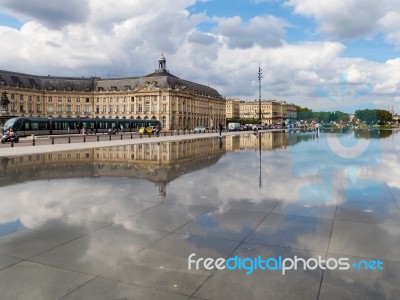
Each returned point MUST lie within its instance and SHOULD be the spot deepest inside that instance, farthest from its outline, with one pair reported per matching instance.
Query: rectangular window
(132, 108)
(164, 98)
(140, 108)
(69, 110)
(87, 108)
(59, 108)
(164, 107)
(38, 108)
(68, 99)
(104, 109)
(78, 108)
(78, 99)
(21, 97)
(50, 108)
(50, 99)
(59, 99)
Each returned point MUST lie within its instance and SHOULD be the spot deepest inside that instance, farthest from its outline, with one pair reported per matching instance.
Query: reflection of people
(221, 127)
(122, 128)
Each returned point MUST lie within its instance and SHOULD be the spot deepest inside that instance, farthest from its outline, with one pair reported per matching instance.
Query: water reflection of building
(269, 141)
(157, 162)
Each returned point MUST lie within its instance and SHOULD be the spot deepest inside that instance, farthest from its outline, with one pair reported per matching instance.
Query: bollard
(165, 133)
(109, 137)
(131, 136)
(84, 139)
(69, 140)
(52, 141)
(149, 135)
(121, 137)
(98, 138)
(33, 142)
(12, 143)
(141, 136)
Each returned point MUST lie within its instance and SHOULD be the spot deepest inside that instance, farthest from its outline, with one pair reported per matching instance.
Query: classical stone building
(175, 102)
(233, 108)
(272, 111)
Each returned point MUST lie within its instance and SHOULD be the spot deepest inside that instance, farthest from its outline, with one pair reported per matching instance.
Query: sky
(322, 54)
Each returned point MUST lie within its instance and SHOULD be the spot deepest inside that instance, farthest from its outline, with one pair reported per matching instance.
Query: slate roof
(161, 79)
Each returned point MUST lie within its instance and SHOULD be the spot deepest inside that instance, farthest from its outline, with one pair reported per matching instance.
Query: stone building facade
(175, 102)
(272, 111)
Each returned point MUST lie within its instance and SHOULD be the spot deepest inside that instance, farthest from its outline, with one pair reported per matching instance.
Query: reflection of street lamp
(259, 94)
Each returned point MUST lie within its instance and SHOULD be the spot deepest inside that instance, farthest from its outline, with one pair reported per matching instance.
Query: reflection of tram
(38, 126)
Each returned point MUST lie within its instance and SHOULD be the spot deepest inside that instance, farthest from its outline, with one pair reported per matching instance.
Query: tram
(25, 126)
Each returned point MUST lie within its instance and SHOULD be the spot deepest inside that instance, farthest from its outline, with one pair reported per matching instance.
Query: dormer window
(127, 88)
(113, 88)
(69, 88)
(100, 89)
(2, 82)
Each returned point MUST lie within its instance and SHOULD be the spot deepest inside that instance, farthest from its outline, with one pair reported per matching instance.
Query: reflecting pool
(121, 222)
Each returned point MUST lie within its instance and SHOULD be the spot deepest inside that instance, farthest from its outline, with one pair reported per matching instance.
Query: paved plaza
(104, 236)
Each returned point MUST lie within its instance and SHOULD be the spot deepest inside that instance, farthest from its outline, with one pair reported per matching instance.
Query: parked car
(199, 129)
(234, 126)
(144, 130)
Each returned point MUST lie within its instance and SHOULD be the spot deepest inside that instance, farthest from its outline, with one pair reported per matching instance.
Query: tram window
(34, 126)
(41, 125)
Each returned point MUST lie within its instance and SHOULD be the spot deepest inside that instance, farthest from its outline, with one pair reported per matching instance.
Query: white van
(233, 126)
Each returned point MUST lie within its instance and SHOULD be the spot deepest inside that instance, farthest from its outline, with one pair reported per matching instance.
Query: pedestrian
(221, 127)
(122, 128)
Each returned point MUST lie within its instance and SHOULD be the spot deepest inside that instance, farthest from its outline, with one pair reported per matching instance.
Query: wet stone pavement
(121, 222)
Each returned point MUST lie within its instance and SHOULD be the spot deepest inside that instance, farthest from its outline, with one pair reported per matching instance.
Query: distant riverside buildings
(272, 111)
(176, 103)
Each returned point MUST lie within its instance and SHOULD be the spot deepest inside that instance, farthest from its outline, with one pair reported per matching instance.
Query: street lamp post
(259, 94)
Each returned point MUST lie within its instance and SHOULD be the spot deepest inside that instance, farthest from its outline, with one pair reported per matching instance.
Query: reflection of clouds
(37, 202)
(389, 168)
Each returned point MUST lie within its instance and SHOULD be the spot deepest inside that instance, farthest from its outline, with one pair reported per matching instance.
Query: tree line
(370, 116)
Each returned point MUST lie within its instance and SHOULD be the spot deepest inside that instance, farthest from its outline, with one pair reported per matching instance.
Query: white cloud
(54, 14)
(129, 38)
(341, 19)
(390, 25)
(264, 31)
